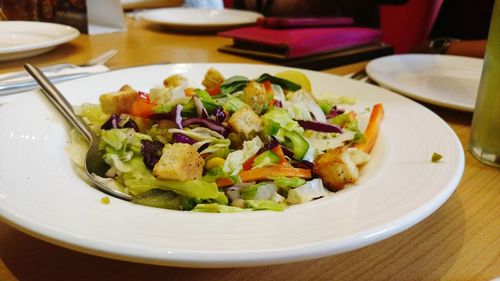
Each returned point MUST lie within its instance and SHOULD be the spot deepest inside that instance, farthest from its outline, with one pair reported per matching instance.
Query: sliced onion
(211, 124)
(200, 109)
(319, 126)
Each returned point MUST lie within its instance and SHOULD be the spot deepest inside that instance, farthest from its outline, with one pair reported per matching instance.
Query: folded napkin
(9, 88)
(300, 42)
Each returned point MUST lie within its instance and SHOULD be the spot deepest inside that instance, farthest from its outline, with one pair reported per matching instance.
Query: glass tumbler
(484, 142)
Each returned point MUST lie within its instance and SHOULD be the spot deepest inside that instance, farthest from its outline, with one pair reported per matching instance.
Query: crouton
(336, 168)
(179, 161)
(212, 79)
(174, 81)
(118, 102)
(244, 121)
(127, 88)
(255, 95)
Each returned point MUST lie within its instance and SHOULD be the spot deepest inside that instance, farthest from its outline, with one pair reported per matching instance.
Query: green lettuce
(139, 179)
(234, 161)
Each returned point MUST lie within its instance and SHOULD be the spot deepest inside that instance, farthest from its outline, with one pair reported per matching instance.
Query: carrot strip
(372, 129)
(267, 172)
(352, 115)
(278, 151)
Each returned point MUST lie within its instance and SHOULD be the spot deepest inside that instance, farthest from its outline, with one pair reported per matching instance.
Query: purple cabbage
(335, 112)
(151, 152)
(303, 165)
(203, 146)
(111, 123)
(269, 145)
(277, 103)
(219, 114)
(131, 124)
(114, 123)
(319, 126)
(178, 137)
(287, 151)
(174, 115)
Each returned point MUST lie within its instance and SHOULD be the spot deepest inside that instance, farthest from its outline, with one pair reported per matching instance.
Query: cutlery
(99, 60)
(94, 165)
(361, 74)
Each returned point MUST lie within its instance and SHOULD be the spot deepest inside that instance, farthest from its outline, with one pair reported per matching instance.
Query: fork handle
(59, 101)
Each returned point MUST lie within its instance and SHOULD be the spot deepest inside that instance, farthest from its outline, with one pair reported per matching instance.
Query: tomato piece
(248, 164)
(143, 106)
(267, 85)
(214, 90)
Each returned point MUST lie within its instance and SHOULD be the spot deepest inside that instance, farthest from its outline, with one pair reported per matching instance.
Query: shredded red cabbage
(335, 111)
(114, 123)
(178, 137)
(174, 115)
(151, 152)
(303, 164)
(219, 114)
(111, 123)
(319, 126)
(269, 145)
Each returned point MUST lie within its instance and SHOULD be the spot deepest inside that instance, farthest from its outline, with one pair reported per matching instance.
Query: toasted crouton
(212, 78)
(256, 95)
(118, 102)
(179, 161)
(244, 121)
(174, 81)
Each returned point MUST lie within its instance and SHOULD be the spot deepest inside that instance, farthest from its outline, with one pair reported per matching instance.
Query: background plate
(448, 81)
(21, 39)
(41, 194)
(194, 19)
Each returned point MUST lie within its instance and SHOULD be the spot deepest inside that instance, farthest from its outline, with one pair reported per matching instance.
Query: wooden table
(460, 241)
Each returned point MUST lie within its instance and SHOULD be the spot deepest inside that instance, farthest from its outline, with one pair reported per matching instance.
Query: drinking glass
(484, 142)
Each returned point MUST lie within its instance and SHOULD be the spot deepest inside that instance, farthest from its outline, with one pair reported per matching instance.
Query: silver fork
(99, 60)
(94, 164)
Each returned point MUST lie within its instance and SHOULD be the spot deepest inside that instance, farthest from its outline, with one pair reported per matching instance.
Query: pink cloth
(301, 42)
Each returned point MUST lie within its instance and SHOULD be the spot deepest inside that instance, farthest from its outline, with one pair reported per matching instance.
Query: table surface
(460, 241)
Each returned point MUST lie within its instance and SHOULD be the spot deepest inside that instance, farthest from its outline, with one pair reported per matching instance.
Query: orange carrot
(267, 172)
(352, 115)
(372, 129)
(278, 151)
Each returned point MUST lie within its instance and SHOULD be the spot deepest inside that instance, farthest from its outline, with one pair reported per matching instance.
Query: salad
(229, 145)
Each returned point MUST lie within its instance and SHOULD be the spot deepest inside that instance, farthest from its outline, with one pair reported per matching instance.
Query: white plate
(448, 81)
(21, 39)
(41, 194)
(193, 19)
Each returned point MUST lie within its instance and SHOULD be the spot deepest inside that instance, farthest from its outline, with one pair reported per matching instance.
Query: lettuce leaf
(234, 161)
(139, 179)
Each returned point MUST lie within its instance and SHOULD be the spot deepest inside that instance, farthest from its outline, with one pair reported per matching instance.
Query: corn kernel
(214, 163)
